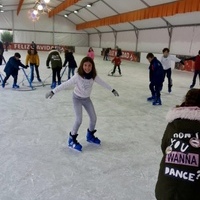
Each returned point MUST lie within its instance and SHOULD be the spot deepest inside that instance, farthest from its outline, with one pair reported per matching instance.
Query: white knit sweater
(83, 87)
(166, 62)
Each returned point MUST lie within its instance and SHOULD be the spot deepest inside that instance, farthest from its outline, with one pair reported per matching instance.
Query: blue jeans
(70, 70)
(32, 72)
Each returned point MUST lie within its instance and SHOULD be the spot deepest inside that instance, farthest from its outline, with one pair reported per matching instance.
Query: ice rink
(35, 162)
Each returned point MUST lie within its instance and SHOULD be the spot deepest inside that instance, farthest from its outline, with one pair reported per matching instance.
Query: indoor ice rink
(35, 160)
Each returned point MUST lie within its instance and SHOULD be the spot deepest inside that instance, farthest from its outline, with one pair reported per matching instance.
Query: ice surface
(35, 162)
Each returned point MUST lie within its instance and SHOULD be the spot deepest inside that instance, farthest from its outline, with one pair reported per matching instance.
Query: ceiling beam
(19, 6)
(62, 6)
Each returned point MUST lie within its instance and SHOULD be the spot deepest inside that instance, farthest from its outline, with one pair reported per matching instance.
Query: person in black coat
(11, 69)
(156, 78)
(1, 53)
(69, 58)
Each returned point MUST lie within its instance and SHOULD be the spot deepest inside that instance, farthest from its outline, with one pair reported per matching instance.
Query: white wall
(186, 40)
(108, 40)
(153, 40)
(126, 40)
(56, 30)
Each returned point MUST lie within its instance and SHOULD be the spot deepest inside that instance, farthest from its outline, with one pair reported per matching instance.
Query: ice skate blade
(91, 142)
(78, 150)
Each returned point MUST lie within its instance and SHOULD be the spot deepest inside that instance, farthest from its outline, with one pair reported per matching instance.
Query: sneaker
(91, 138)
(15, 86)
(170, 88)
(73, 143)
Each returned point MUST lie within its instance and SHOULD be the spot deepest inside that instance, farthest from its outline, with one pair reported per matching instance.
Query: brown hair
(81, 71)
(192, 98)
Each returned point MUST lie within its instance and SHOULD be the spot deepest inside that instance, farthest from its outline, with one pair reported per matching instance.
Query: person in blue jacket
(11, 69)
(156, 78)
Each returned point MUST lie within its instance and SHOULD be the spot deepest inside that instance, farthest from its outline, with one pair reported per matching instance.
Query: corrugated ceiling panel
(157, 2)
(124, 26)
(75, 19)
(86, 15)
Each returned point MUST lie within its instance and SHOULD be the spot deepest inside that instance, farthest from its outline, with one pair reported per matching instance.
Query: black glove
(26, 66)
(48, 67)
(49, 95)
(182, 62)
(115, 92)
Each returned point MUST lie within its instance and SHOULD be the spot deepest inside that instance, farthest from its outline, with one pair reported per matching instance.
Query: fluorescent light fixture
(2, 11)
(46, 1)
(65, 15)
(1, 6)
(76, 11)
(89, 5)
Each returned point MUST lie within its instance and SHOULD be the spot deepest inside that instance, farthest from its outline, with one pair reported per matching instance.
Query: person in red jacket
(196, 59)
(117, 62)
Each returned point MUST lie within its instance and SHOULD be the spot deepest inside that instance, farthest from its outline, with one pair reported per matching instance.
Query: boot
(15, 86)
(91, 138)
(53, 85)
(169, 88)
(73, 143)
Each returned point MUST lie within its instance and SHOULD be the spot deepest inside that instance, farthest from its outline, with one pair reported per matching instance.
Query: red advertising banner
(40, 47)
(126, 55)
(188, 64)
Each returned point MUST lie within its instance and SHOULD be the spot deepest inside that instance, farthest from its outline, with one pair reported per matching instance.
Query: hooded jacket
(12, 66)
(156, 72)
(69, 57)
(179, 174)
(55, 59)
(33, 59)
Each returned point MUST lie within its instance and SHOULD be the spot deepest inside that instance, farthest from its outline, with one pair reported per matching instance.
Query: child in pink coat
(90, 53)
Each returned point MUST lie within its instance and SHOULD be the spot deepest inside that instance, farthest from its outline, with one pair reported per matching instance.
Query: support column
(170, 30)
(53, 34)
(100, 36)
(13, 27)
(115, 36)
(137, 38)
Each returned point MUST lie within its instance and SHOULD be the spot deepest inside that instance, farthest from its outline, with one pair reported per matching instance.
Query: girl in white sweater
(83, 81)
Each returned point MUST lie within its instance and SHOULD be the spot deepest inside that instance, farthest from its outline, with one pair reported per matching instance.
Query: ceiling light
(40, 7)
(65, 15)
(35, 12)
(2, 11)
(76, 11)
(46, 1)
(89, 5)
(1, 6)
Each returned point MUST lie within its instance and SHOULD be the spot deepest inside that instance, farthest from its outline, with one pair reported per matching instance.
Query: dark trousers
(115, 69)
(168, 73)
(14, 77)
(32, 66)
(196, 73)
(155, 89)
(56, 72)
(70, 70)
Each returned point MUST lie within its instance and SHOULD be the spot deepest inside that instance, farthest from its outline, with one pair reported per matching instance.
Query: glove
(115, 92)
(182, 62)
(26, 66)
(48, 67)
(49, 95)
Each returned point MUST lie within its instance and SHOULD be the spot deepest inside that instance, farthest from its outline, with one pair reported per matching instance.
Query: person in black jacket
(1, 53)
(179, 174)
(69, 58)
(11, 69)
(156, 78)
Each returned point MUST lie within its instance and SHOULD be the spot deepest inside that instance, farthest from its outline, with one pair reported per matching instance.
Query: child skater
(83, 81)
(69, 58)
(179, 174)
(156, 76)
(117, 62)
(196, 59)
(166, 63)
(11, 69)
(90, 53)
(32, 58)
(56, 65)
